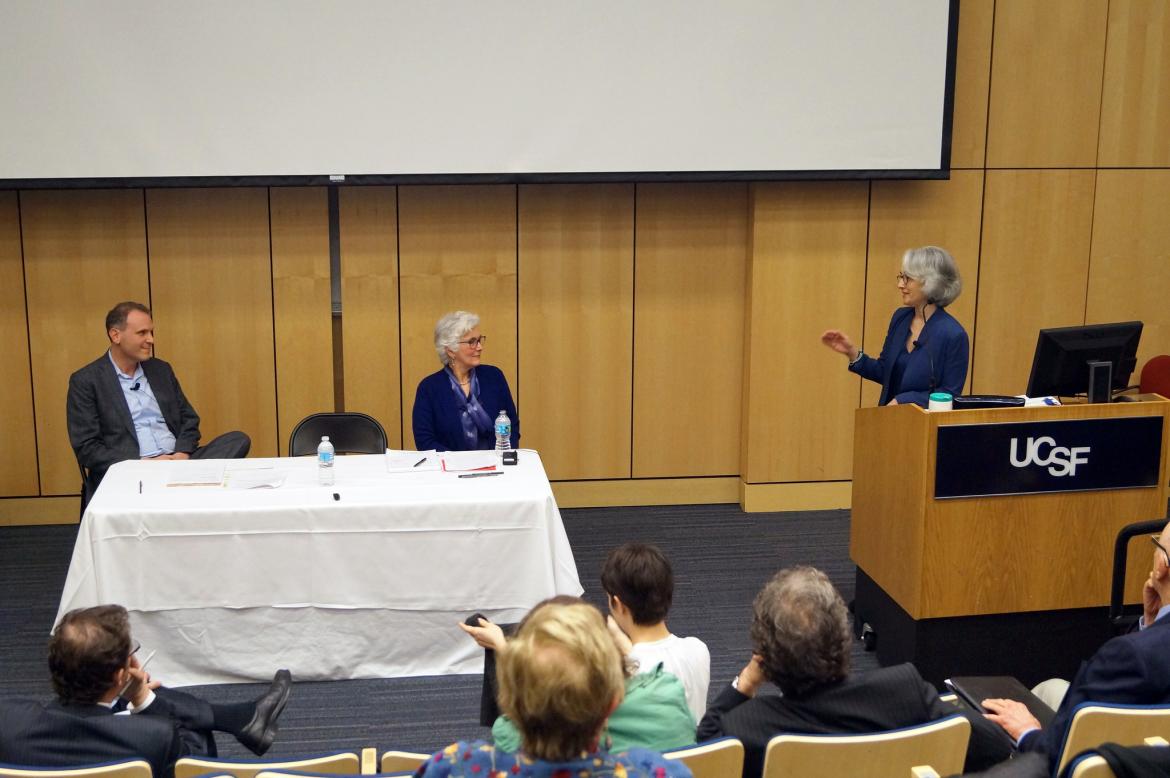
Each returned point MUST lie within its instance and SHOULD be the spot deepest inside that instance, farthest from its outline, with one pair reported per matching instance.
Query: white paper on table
(255, 479)
(470, 460)
(409, 461)
(197, 472)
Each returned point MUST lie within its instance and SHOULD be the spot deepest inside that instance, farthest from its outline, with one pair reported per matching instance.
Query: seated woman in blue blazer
(455, 409)
(926, 348)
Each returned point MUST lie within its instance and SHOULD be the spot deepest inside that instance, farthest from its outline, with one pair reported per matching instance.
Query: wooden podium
(993, 584)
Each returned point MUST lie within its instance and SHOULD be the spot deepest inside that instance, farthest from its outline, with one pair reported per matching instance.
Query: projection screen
(519, 89)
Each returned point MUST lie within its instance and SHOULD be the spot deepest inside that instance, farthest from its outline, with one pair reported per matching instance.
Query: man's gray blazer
(100, 428)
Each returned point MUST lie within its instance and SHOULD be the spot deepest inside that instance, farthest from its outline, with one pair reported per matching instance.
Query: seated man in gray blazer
(127, 404)
(800, 631)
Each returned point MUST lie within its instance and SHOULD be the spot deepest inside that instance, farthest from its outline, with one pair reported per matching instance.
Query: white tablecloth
(230, 584)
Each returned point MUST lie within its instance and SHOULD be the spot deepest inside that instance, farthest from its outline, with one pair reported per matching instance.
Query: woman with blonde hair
(559, 678)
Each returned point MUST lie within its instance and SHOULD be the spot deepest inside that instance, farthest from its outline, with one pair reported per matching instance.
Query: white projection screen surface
(148, 89)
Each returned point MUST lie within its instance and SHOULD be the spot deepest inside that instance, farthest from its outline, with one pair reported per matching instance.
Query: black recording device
(510, 457)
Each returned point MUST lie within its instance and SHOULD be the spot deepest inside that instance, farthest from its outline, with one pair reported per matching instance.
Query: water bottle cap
(324, 438)
(941, 397)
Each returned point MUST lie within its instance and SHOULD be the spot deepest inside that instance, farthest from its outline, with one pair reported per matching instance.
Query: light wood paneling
(1033, 270)
(27, 511)
(457, 249)
(576, 327)
(972, 82)
(810, 496)
(1135, 103)
(301, 305)
(211, 282)
(646, 491)
(18, 466)
(689, 281)
(1046, 83)
(84, 251)
(806, 274)
(909, 214)
(1129, 270)
(369, 305)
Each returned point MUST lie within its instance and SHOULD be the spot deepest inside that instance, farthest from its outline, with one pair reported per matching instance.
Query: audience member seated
(639, 585)
(653, 713)
(560, 678)
(801, 638)
(108, 708)
(1132, 669)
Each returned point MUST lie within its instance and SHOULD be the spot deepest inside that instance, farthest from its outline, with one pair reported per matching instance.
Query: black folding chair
(1123, 621)
(349, 432)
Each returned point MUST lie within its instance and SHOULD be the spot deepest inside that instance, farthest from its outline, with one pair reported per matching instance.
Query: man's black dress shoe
(258, 735)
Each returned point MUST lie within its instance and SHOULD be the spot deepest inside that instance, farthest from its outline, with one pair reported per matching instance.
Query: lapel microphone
(137, 385)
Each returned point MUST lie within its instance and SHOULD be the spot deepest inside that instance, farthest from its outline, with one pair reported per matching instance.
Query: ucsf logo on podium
(1043, 451)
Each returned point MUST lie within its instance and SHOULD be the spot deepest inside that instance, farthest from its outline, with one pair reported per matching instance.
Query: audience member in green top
(653, 715)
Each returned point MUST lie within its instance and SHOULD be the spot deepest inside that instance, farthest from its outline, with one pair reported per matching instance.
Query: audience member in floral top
(559, 679)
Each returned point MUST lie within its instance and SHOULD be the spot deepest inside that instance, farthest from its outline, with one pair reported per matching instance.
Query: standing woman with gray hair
(926, 348)
(455, 408)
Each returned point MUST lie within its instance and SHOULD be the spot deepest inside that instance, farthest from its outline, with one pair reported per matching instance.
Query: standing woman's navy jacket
(937, 364)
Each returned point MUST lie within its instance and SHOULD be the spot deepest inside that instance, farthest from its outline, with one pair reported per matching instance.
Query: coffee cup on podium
(940, 401)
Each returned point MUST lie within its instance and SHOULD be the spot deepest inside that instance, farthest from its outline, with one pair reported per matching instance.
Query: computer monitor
(1061, 364)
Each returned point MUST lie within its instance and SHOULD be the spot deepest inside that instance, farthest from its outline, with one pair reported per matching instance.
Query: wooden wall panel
(806, 274)
(1129, 270)
(369, 305)
(908, 214)
(1033, 271)
(689, 282)
(1046, 83)
(457, 249)
(84, 251)
(301, 305)
(18, 466)
(576, 322)
(1135, 100)
(972, 83)
(211, 282)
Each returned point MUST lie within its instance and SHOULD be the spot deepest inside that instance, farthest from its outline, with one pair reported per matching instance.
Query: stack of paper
(411, 461)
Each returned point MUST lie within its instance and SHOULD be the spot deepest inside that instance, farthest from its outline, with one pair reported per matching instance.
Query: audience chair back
(350, 433)
(126, 768)
(87, 489)
(336, 763)
(402, 761)
(941, 744)
(1156, 376)
(714, 759)
(1091, 766)
(1127, 725)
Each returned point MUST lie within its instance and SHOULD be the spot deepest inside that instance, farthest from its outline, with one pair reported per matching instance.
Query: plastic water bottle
(503, 432)
(325, 462)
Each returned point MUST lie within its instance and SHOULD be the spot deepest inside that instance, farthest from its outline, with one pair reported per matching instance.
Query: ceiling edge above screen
(297, 92)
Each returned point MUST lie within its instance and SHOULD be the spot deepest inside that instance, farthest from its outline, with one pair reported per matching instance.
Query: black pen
(416, 464)
(140, 487)
(479, 475)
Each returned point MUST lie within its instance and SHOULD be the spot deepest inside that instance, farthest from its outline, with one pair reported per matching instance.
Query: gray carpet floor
(721, 557)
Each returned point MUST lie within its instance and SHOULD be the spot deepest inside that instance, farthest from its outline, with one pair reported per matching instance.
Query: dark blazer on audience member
(939, 363)
(53, 734)
(436, 417)
(1132, 669)
(889, 698)
(100, 428)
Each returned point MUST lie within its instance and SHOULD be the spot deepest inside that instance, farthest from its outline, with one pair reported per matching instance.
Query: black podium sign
(976, 460)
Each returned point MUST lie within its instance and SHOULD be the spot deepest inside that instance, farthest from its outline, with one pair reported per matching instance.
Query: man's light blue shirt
(154, 437)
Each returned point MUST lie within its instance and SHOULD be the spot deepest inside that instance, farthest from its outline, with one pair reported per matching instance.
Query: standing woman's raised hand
(840, 342)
